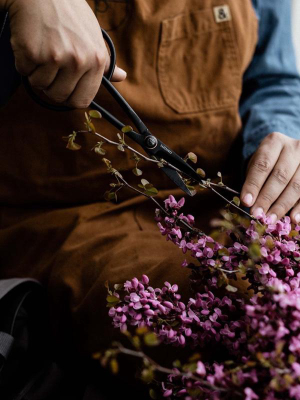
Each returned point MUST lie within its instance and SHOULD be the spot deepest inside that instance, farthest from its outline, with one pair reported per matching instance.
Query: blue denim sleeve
(270, 100)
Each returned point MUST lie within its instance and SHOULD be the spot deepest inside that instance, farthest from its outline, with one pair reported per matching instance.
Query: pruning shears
(173, 165)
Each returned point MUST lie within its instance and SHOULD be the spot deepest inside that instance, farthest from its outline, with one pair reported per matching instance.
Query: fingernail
(122, 72)
(248, 199)
(273, 218)
(297, 218)
(258, 212)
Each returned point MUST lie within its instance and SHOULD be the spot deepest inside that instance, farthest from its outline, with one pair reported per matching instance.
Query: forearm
(271, 90)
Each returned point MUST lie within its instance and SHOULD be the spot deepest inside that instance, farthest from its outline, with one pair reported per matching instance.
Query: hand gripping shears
(176, 167)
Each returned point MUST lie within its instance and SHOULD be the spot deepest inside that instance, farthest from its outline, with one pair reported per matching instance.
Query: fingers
(276, 183)
(295, 213)
(43, 76)
(272, 184)
(259, 168)
(118, 75)
(288, 199)
(86, 89)
(74, 84)
(25, 65)
(59, 46)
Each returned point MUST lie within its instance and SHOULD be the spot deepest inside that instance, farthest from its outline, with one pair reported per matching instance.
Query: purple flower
(250, 395)
(201, 368)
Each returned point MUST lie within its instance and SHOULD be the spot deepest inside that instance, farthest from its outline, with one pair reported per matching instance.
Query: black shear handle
(54, 107)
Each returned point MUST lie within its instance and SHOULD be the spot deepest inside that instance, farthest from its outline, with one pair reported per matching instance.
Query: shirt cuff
(257, 135)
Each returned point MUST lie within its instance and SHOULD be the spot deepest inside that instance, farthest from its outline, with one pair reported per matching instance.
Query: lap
(73, 251)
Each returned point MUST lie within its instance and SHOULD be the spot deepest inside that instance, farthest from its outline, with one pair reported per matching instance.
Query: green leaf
(137, 171)
(67, 138)
(142, 330)
(192, 367)
(114, 366)
(177, 364)
(147, 375)
(118, 286)
(87, 118)
(192, 157)
(222, 280)
(95, 114)
(144, 182)
(201, 172)
(152, 394)
(127, 129)
(242, 268)
(195, 357)
(73, 146)
(136, 341)
(110, 196)
(151, 192)
(113, 196)
(107, 162)
(236, 200)
(91, 127)
(106, 284)
(100, 151)
(174, 323)
(279, 347)
(223, 252)
(151, 339)
(112, 299)
(254, 250)
(264, 362)
(135, 157)
(230, 288)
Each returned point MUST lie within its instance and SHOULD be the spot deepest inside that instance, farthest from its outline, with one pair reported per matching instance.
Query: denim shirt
(271, 89)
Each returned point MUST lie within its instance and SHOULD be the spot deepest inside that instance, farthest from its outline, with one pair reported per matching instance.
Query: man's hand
(272, 183)
(58, 44)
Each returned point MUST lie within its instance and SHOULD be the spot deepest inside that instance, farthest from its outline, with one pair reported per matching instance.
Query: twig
(140, 354)
(233, 204)
(166, 163)
(225, 188)
(188, 226)
(126, 146)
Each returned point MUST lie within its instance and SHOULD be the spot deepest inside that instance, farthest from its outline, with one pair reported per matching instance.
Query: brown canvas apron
(185, 64)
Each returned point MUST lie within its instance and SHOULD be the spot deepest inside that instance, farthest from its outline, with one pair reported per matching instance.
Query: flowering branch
(149, 361)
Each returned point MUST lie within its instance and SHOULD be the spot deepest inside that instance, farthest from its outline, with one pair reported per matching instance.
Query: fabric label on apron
(222, 13)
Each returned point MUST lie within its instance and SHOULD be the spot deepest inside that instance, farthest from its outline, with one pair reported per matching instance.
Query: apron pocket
(198, 66)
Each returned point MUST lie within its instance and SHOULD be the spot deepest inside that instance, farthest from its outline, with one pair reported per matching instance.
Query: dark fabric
(9, 77)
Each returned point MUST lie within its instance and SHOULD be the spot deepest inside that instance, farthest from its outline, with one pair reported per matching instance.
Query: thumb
(119, 75)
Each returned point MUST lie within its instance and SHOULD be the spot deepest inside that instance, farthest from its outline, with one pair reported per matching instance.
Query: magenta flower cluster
(257, 337)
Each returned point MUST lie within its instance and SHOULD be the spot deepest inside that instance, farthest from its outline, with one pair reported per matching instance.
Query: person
(214, 77)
